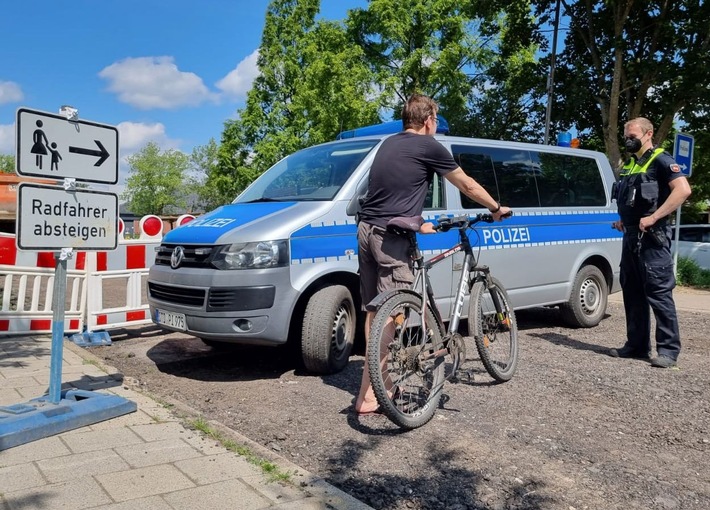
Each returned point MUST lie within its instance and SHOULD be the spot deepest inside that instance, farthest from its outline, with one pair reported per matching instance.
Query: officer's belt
(635, 229)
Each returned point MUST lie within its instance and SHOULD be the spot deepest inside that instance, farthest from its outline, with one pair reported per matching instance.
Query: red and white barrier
(105, 290)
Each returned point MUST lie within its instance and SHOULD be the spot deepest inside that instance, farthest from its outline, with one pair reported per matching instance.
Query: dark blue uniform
(647, 277)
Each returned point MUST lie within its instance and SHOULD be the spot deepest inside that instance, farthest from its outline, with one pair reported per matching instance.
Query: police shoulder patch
(675, 168)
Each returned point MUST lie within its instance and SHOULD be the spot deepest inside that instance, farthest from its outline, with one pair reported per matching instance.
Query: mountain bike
(409, 349)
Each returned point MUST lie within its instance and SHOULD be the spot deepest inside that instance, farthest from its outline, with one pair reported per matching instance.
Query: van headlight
(252, 255)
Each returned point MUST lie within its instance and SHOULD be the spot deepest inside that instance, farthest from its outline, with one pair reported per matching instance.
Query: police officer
(651, 187)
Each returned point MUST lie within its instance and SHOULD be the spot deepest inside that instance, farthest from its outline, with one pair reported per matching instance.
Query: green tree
(7, 164)
(624, 59)
(312, 84)
(456, 52)
(204, 162)
(156, 181)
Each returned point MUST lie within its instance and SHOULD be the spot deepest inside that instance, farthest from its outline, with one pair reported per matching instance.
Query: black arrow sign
(102, 153)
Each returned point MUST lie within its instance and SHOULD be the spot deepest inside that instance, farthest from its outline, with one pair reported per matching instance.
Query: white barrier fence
(105, 290)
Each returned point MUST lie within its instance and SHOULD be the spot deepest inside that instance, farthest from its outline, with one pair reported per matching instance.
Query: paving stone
(228, 494)
(216, 468)
(157, 452)
(143, 482)
(91, 440)
(71, 495)
(151, 503)
(45, 448)
(18, 477)
(156, 431)
(68, 467)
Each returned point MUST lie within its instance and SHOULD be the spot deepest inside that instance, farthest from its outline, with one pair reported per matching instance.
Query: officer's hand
(646, 223)
(427, 228)
(618, 225)
(502, 213)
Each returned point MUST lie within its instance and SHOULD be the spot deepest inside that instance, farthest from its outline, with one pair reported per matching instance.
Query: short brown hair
(416, 111)
(642, 122)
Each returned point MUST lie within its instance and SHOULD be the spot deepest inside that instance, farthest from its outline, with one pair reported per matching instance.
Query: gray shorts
(384, 260)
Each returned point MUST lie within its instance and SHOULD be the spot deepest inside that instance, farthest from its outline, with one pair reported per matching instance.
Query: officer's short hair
(642, 122)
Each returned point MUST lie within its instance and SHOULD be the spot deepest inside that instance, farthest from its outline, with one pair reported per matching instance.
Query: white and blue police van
(279, 264)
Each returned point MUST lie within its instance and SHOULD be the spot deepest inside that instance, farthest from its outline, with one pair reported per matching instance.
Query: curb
(307, 482)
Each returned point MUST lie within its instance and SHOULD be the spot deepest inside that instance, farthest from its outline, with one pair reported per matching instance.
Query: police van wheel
(587, 303)
(328, 330)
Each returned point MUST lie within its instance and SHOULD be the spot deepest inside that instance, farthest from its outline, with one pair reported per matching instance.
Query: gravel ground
(574, 429)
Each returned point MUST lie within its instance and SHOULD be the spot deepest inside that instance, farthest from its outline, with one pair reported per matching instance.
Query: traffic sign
(50, 145)
(52, 218)
(683, 152)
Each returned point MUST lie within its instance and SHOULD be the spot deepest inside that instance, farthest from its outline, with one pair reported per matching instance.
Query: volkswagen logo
(176, 257)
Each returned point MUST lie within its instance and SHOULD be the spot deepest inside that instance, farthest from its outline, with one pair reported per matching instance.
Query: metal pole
(551, 76)
(58, 298)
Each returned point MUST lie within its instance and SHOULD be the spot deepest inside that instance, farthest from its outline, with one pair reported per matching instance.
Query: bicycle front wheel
(406, 361)
(495, 331)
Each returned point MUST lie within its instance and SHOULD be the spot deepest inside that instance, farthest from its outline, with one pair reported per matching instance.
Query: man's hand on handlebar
(502, 213)
(427, 228)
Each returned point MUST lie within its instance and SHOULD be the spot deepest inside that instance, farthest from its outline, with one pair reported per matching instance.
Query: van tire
(328, 331)
(588, 300)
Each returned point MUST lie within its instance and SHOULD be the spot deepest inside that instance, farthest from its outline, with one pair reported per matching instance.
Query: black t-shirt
(400, 175)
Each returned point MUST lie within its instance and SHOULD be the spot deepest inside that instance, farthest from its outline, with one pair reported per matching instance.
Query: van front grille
(185, 296)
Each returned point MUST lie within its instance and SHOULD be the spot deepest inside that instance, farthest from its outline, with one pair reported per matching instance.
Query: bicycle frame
(421, 277)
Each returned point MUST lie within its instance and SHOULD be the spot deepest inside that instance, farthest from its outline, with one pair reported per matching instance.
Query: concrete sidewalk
(686, 298)
(143, 460)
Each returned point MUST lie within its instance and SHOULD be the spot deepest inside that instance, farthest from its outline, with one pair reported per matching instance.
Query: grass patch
(269, 468)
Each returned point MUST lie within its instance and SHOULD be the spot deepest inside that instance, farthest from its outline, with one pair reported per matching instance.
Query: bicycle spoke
(409, 377)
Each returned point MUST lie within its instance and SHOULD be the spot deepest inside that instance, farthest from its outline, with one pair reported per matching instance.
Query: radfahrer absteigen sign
(52, 218)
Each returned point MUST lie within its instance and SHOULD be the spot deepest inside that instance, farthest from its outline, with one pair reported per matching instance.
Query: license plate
(170, 319)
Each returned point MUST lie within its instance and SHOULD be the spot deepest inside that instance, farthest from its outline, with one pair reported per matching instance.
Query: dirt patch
(574, 429)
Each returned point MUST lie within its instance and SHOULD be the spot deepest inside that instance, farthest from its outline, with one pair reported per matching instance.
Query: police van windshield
(312, 174)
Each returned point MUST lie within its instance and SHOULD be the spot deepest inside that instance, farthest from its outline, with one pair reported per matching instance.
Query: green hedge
(690, 274)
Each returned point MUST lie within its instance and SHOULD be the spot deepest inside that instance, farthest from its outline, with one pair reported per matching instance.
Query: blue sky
(170, 72)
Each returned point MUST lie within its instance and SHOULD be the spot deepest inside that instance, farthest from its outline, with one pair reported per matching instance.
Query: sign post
(683, 146)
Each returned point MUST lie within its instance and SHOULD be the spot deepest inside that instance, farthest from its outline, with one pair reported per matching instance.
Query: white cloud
(238, 82)
(7, 138)
(155, 82)
(135, 135)
(10, 92)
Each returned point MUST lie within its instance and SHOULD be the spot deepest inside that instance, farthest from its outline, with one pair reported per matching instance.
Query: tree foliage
(155, 184)
(624, 59)
(204, 162)
(7, 164)
(456, 52)
(313, 83)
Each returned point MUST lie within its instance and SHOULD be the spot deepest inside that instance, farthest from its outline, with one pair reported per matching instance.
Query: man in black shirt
(404, 166)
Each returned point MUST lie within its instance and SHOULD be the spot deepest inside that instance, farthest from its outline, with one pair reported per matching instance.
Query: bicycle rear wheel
(495, 332)
(406, 374)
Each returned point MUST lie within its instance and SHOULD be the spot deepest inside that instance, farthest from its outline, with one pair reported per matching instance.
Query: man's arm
(469, 187)
(680, 191)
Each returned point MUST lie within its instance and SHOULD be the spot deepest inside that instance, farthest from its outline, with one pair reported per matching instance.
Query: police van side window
(568, 181)
(509, 175)
(435, 194)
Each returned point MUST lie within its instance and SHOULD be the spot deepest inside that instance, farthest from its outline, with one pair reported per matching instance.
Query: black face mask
(633, 145)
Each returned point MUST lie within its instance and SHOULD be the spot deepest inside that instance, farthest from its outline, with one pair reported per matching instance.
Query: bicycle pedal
(464, 376)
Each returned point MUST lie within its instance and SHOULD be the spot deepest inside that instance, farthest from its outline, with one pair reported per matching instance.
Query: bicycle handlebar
(446, 223)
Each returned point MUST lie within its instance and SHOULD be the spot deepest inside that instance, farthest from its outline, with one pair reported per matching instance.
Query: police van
(279, 264)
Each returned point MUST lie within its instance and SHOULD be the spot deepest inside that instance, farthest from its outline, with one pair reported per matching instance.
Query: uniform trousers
(647, 282)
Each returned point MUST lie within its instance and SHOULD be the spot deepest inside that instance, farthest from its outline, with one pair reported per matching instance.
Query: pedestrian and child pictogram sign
(50, 145)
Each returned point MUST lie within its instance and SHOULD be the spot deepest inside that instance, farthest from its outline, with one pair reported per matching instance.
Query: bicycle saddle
(403, 224)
